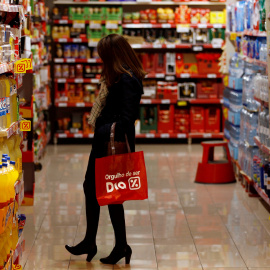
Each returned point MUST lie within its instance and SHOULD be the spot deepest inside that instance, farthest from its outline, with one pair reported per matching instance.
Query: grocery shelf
(255, 33)
(134, 3)
(171, 25)
(63, 135)
(263, 147)
(255, 61)
(8, 132)
(6, 215)
(11, 8)
(143, 101)
(195, 47)
(67, 21)
(73, 104)
(199, 76)
(77, 60)
(206, 101)
(71, 40)
(252, 33)
(264, 103)
(8, 67)
(262, 193)
(77, 80)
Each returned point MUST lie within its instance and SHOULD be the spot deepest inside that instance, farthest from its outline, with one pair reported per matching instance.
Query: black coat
(122, 106)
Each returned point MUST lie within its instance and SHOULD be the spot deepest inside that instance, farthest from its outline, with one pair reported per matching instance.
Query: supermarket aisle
(182, 226)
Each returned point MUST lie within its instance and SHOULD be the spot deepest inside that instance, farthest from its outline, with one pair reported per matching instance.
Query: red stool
(215, 172)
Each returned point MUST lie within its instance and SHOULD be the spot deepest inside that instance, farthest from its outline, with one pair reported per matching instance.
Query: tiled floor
(183, 225)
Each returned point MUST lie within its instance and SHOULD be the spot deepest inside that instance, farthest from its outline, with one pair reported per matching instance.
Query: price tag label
(95, 81)
(211, 76)
(59, 60)
(185, 75)
(166, 25)
(71, 60)
(170, 46)
(62, 135)
(63, 21)
(136, 46)
(62, 104)
(181, 103)
(62, 40)
(217, 25)
(202, 25)
(157, 46)
(79, 24)
(77, 40)
(181, 136)
(164, 135)
(160, 75)
(91, 60)
(112, 24)
(146, 101)
(78, 135)
(80, 104)
(25, 125)
(78, 80)
(197, 48)
(91, 135)
(183, 28)
(170, 78)
(207, 135)
(92, 43)
(95, 24)
(61, 80)
(165, 101)
(149, 135)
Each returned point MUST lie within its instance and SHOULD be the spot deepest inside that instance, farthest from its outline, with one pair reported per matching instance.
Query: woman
(118, 101)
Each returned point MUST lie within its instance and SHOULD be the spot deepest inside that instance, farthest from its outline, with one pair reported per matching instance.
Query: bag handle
(112, 136)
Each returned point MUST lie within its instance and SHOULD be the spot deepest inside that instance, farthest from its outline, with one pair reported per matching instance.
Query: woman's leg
(117, 216)
(92, 207)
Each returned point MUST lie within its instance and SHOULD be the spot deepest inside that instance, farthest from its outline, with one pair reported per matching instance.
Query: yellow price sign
(16, 267)
(181, 103)
(233, 36)
(22, 65)
(25, 125)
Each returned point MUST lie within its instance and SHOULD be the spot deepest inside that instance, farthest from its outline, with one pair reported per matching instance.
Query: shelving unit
(251, 166)
(35, 94)
(63, 104)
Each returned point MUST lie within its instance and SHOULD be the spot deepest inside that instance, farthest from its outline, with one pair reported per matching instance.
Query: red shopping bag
(120, 177)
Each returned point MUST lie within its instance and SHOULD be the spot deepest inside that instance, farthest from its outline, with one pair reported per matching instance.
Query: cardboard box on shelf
(148, 119)
(167, 90)
(212, 120)
(86, 127)
(149, 89)
(170, 64)
(114, 13)
(186, 63)
(160, 63)
(165, 118)
(197, 119)
(208, 63)
(207, 89)
(186, 90)
(181, 121)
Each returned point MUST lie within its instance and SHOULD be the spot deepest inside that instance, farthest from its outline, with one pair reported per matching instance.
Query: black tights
(93, 209)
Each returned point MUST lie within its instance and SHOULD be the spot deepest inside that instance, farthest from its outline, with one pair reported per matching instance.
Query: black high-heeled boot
(83, 248)
(117, 254)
